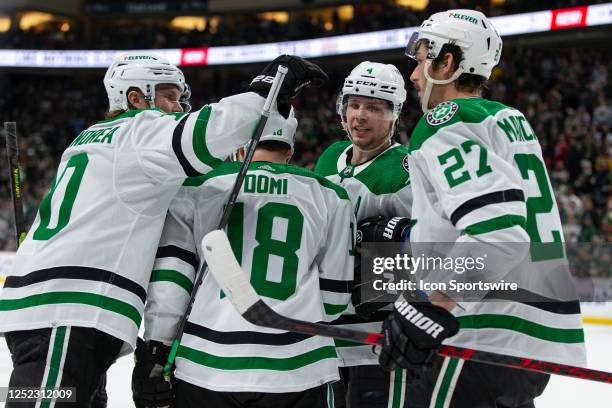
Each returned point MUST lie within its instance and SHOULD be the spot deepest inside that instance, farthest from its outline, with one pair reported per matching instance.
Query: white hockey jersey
(380, 186)
(87, 259)
(293, 232)
(478, 177)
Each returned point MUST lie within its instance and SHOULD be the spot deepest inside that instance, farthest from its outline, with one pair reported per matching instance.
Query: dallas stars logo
(369, 71)
(442, 113)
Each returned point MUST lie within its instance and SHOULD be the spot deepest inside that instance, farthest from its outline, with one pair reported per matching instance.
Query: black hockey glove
(382, 229)
(414, 332)
(302, 73)
(149, 387)
(375, 229)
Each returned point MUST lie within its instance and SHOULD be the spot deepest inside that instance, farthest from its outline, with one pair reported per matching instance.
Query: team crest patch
(405, 164)
(442, 113)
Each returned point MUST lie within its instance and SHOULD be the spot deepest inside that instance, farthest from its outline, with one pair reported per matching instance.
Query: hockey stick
(235, 284)
(271, 98)
(12, 153)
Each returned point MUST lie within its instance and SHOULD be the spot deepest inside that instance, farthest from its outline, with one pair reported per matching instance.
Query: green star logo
(369, 71)
(442, 113)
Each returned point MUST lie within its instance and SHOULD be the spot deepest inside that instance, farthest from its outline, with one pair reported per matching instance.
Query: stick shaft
(12, 152)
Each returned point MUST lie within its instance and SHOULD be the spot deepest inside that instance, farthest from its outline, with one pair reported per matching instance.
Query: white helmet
(471, 31)
(374, 80)
(279, 129)
(144, 71)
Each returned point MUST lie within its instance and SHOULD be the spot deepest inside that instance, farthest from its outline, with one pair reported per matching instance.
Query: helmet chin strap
(431, 82)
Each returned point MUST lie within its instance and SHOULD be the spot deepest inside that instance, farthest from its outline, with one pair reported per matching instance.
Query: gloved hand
(302, 73)
(375, 229)
(149, 387)
(414, 332)
(382, 229)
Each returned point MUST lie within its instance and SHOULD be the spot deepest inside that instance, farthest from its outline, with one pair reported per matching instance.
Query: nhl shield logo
(405, 164)
(442, 113)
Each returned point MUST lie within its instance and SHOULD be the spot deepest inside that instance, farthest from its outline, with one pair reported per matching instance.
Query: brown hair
(466, 82)
(274, 146)
(112, 114)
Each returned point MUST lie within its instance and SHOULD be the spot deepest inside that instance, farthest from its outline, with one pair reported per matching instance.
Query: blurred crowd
(565, 94)
(237, 29)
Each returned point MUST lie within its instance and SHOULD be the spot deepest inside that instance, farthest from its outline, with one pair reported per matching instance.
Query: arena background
(555, 68)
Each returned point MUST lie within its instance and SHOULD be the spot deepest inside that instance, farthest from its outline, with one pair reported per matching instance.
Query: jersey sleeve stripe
(169, 275)
(90, 299)
(255, 362)
(529, 298)
(377, 317)
(173, 251)
(334, 309)
(77, 272)
(199, 139)
(495, 224)
(486, 199)
(337, 286)
(244, 337)
(178, 151)
(517, 324)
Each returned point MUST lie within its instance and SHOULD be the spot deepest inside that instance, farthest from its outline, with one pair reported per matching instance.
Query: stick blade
(227, 271)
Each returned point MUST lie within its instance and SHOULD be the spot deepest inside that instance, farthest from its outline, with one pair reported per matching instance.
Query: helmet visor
(373, 109)
(184, 100)
(413, 45)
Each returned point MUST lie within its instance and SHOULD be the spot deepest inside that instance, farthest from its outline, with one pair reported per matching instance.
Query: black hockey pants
(192, 396)
(62, 357)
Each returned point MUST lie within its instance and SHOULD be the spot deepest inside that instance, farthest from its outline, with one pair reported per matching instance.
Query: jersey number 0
(53, 218)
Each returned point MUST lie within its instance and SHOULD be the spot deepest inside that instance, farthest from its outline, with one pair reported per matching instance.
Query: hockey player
(74, 299)
(292, 231)
(478, 178)
(374, 171)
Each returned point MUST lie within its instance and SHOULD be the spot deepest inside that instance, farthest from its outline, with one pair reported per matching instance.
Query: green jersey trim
(384, 174)
(331, 309)
(274, 168)
(495, 224)
(517, 324)
(170, 275)
(327, 163)
(347, 343)
(103, 302)
(255, 362)
(199, 139)
(471, 110)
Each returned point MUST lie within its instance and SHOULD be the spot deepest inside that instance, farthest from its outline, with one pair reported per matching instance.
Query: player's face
(420, 82)
(167, 98)
(369, 121)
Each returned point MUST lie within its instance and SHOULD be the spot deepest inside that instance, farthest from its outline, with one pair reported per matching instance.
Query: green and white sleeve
(336, 260)
(480, 193)
(173, 273)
